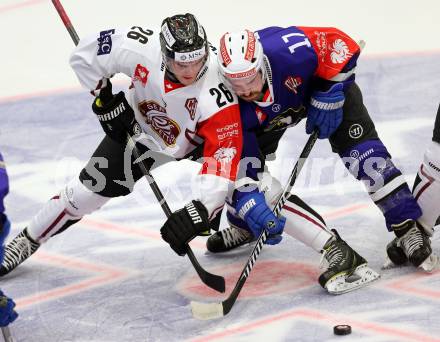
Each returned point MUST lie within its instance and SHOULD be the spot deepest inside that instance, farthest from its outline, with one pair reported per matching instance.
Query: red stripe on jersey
(267, 97)
(333, 48)
(223, 142)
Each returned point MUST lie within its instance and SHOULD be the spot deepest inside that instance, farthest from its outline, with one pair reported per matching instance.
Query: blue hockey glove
(5, 227)
(7, 312)
(254, 210)
(325, 111)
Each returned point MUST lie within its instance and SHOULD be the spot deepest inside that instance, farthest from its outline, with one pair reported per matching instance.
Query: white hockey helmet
(240, 56)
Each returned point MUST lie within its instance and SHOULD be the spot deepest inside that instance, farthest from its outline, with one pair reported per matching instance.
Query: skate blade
(388, 264)
(361, 277)
(431, 263)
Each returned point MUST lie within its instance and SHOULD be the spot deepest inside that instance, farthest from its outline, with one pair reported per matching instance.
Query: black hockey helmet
(183, 39)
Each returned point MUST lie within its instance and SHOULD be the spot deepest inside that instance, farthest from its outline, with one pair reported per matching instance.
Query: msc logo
(105, 42)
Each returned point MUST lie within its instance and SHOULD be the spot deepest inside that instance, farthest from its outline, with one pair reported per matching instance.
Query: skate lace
(332, 255)
(412, 241)
(233, 236)
(19, 248)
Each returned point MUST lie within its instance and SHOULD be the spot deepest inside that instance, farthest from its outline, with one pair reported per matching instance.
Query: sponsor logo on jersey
(228, 131)
(155, 116)
(292, 83)
(355, 131)
(321, 43)
(288, 118)
(339, 52)
(224, 155)
(141, 75)
(191, 106)
(105, 42)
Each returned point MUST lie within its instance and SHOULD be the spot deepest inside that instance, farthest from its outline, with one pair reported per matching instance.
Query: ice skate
(17, 251)
(228, 238)
(347, 270)
(413, 246)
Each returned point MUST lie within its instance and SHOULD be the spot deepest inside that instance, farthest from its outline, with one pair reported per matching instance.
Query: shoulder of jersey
(214, 95)
(142, 41)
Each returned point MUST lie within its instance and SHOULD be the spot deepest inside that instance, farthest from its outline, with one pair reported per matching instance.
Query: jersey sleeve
(102, 55)
(337, 53)
(222, 133)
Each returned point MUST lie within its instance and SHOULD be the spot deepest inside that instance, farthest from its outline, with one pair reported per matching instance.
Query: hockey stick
(214, 281)
(216, 310)
(7, 336)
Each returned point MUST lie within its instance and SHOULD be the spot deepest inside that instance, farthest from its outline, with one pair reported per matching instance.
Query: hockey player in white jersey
(176, 99)
(426, 191)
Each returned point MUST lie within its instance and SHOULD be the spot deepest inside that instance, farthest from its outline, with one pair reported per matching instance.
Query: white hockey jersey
(176, 118)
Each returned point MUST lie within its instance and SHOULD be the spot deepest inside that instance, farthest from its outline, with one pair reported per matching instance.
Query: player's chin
(187, 80)
(252, 97)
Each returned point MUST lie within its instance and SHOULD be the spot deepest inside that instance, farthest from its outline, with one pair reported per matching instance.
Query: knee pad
(63, 210)
(426, 189)
(371, 163)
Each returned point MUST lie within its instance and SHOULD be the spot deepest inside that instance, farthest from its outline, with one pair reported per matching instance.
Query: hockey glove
(116, 117)
(325, 111)
(5, 227)
(184, 225)
(254, 210)
(7, 312)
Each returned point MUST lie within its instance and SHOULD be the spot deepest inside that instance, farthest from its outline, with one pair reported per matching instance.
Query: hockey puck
(342, 329)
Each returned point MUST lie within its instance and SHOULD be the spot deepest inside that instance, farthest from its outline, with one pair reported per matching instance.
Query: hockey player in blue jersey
(7, 312)
(284, 75)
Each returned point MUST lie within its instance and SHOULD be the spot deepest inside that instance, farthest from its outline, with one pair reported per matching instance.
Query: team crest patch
(292, 83)
(260, 115)
(105, 42)
(141, 75)
(156, 117)
(355, 131)
(191, 106)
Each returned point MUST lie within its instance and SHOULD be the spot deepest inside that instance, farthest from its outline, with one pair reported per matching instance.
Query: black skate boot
(412, 244)
(347, 270)
(17, 251)
(227, 239)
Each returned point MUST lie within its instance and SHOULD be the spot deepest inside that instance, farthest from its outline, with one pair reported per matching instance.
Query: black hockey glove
(184, 225)
(116, 116)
